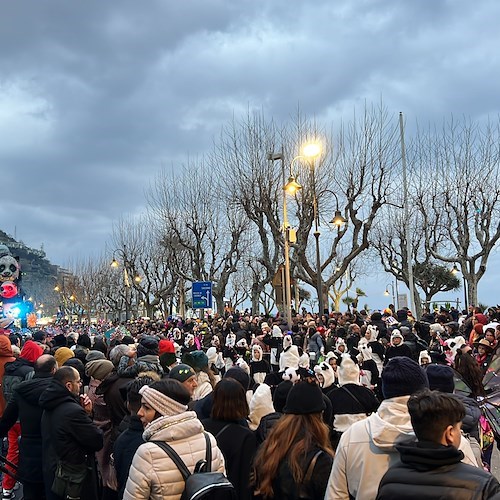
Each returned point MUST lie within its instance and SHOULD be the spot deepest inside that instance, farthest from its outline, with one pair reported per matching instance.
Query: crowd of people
(340, 405)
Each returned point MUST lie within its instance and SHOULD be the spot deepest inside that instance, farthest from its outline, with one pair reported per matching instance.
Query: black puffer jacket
(429, 470)
(68, 434)
(266, 424)
(470, 423)
(24, 405)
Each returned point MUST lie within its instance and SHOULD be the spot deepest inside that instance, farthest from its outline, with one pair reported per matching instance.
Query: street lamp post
(311, 151)
(455, 270)
(126, 281)
(290, 187)
(386, 293)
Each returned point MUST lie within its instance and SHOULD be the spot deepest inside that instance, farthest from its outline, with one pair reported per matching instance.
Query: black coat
(266, 424)
(238, 445)
(124, 450)
(68, 434)
(24, 406)
(429, 470)
(111, 388)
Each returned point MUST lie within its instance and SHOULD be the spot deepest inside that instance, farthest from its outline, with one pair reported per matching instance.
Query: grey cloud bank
(95, 97)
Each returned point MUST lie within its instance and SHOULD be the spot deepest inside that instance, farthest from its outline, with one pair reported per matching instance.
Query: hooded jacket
(152, 474)
(68, 433)
(368, 448)
(15, 372)
(429, 470)
(5, 357)
(24, 405)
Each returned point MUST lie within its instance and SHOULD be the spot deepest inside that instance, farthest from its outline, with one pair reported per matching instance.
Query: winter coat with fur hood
(152, 474)
(367, 450)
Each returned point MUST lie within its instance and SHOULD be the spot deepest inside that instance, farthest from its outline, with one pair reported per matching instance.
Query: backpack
(202, 484)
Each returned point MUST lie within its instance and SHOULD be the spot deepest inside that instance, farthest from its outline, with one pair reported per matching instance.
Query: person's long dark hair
(471, 373)
(290, 439)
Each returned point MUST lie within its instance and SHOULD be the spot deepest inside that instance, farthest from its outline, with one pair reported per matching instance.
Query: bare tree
(194, 217)
(355, 171)
(149, 265)
(459, 196)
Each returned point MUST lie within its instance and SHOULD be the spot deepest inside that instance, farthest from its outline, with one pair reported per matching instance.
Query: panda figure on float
(10, 277)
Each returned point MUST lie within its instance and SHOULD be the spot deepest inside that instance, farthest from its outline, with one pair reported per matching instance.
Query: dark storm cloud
(96, 96)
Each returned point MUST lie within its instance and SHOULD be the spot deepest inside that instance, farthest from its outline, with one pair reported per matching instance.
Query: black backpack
(202, 484)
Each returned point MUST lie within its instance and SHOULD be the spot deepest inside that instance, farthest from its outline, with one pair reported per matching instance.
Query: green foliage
(433, 278)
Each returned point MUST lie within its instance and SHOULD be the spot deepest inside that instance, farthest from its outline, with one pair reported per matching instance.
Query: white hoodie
(366, 450)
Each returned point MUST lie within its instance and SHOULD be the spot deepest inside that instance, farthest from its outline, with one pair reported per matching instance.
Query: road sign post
(202, 294)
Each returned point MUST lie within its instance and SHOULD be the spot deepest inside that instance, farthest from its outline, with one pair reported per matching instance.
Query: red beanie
(166, 346)
(31, 351)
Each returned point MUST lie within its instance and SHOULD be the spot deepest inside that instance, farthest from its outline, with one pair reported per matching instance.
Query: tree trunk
(472, 290)
(219, 304)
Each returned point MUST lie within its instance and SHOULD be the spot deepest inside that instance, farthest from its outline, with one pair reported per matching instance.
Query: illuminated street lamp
(115, 264)
(291, 187)
(386, 293)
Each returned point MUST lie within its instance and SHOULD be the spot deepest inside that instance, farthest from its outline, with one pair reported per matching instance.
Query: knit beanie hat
(181, 372)
(348, 371)
(60, 340)
(31, 351)
(99, 368)
(167, 359)
(240, 375)
(280, 395)
(196, 359)
(84, 341)
(304, 398)
(94, 356)
(62, 355)
(440, 378)
(148, 346)
(402, 315)
(402, 377)
(166, 346)
(161, 403)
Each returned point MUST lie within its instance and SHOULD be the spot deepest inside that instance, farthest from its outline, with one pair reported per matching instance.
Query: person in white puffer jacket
(163, 412)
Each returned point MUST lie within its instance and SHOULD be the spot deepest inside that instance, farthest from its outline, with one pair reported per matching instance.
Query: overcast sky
(96, 97)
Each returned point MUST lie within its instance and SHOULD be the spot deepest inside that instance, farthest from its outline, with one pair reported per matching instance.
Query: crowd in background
(324, 408)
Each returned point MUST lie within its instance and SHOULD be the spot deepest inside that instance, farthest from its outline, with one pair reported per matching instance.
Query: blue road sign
(202, 294)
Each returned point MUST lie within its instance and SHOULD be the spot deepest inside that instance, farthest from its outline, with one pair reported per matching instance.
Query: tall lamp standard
(126, 281)
(386, 293)
(291, 187)
(312, 151)
(455, 270)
